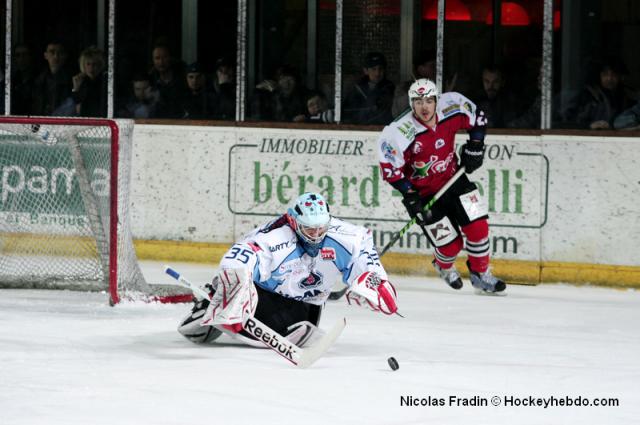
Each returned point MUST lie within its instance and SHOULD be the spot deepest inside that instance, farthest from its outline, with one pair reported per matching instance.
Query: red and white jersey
(425, 156)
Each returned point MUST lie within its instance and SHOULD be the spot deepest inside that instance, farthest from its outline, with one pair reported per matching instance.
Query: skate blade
(478, 291)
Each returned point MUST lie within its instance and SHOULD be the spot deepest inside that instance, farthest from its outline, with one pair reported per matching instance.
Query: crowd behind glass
(47, 81)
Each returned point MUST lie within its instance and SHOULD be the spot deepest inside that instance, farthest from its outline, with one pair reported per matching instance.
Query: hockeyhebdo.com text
(497, 401)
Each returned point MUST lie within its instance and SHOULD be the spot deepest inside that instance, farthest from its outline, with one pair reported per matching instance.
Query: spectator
(317, 110)
(167, 78)
(22, 80)
(52, 88)
(224, 90)
(89, 90)
(602, 101)
(198, 102)
(279, 100)
(142, 103)
(497, 102)
(629, 119)
(369, 100)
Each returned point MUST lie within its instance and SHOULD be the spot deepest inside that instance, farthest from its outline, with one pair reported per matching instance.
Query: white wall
(552, 198)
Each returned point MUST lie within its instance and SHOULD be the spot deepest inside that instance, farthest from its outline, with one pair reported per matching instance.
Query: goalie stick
(336, 295)
(301, 357)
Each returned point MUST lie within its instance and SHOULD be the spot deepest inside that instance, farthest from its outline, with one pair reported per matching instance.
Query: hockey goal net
(64, 208)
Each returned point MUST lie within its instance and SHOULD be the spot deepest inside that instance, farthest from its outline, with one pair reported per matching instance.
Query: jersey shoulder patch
(453, 103)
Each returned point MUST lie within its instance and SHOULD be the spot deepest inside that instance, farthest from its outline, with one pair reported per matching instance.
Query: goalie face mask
(310, 218)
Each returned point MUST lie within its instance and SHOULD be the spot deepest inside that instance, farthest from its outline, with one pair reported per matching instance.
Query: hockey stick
(301, 357)
(426, 208)
(336, 295)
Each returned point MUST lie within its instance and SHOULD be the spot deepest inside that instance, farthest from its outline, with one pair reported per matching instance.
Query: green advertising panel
(36, 178)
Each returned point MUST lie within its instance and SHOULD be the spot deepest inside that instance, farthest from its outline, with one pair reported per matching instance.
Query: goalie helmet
(422, 87)
(310, 218)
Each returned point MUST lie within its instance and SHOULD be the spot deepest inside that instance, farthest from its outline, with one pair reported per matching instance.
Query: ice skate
(486, 282)
(450, 275)
(190, 326)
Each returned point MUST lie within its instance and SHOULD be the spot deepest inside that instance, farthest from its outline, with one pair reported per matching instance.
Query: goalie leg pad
(191, 328)
(234, 300)
(303, 333)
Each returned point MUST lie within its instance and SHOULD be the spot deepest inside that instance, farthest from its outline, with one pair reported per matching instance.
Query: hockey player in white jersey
(282, 273)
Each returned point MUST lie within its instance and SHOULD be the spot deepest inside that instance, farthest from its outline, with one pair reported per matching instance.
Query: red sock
(477, 245)
(446, 255)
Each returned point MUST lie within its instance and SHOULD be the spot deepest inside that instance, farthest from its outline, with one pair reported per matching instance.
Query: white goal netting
(64, 201)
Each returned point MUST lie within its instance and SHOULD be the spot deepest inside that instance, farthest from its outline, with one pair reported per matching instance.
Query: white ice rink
(68, 358)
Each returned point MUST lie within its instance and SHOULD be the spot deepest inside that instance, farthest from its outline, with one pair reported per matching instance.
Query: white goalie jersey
(279, 263)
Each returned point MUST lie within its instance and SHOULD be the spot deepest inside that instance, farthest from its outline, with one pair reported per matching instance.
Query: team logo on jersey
(467, 106)
(441, 166)
(328, 254)
(439, 143)
(312, 281)
(388, 151)
(421, 169)
(417, 147)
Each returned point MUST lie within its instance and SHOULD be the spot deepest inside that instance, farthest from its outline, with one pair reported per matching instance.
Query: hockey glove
(412, 201)
(472, 156)
(371, 292)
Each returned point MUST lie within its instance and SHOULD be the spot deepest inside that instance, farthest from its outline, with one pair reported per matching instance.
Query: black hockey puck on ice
(393, 363)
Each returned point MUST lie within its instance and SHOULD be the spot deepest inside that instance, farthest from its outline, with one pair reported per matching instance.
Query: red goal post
(64, 208)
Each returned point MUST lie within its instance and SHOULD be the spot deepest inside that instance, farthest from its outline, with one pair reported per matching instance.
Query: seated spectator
(602, 101)
(279, 100)
(224, 90)
(198, 102)
(142, 103)
(167, 78)
(89, 90)
(369, 101)
(22, 80)
(498, 103)
(629, 119)
(317, 110)
(52, 88)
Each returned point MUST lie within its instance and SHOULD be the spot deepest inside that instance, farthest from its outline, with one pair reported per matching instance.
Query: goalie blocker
(282, 273)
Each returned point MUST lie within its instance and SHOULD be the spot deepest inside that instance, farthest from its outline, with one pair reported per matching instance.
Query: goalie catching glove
(369, 291)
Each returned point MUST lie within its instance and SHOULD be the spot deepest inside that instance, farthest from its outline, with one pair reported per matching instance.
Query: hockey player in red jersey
(417, 157)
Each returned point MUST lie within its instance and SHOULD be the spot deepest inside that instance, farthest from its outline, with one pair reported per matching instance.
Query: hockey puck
(393, 363)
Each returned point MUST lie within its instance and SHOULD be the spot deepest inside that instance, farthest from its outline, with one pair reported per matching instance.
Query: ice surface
(68, 358)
